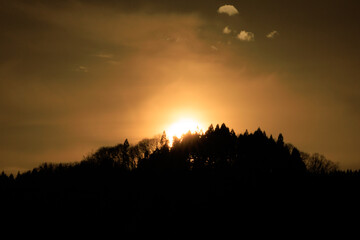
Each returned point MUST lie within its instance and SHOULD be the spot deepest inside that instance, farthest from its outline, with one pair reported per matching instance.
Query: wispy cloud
(82, 69)
(246, 36)
(104, 55)
(227, 30)
(272, 34)
(214, 48)
(228, 9)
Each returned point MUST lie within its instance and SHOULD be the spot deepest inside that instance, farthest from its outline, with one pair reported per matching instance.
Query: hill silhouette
(204, 181)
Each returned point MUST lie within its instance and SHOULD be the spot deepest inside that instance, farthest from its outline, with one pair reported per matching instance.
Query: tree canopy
(218, 149)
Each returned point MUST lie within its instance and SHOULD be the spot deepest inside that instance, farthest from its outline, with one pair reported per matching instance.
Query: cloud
(227, 30)
(246, 36)
(272, 34)
(104, 55)
(214, 48)
(228, 9)
(82, 69)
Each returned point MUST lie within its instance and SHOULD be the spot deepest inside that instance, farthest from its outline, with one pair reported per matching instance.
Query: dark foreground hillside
(204, 201)
(212, 183)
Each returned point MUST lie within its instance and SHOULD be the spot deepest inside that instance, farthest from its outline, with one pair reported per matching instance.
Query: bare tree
(318, 164)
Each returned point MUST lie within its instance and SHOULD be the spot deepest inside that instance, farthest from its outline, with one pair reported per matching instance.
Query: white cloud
(246, 36)
(272, 34)
(227, 30)
(228, 9)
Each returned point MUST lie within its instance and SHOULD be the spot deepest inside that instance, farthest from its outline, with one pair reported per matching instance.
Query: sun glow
(182, 127)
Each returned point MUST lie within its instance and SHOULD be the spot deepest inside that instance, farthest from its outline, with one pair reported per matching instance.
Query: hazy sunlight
(181, 127)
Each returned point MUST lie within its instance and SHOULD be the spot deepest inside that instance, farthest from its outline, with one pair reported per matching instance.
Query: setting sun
(181, 127)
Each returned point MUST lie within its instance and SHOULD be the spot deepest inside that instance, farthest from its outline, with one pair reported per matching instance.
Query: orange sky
(77, 75)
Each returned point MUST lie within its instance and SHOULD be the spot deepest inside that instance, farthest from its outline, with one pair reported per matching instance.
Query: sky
(77, 75)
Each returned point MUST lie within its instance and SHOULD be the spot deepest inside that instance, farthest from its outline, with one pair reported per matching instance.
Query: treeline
(218, 149)
(217, 180)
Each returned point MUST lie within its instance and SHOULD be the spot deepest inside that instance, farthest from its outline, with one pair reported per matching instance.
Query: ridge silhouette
(201, 183)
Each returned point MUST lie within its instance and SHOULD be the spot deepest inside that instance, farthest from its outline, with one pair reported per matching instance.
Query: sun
(182, 127)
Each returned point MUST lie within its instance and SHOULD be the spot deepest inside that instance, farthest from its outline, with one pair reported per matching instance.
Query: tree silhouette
(218, 149)
(280, 140)
(318, 164)
(163, 140)
(126, 161)
(201, 182)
